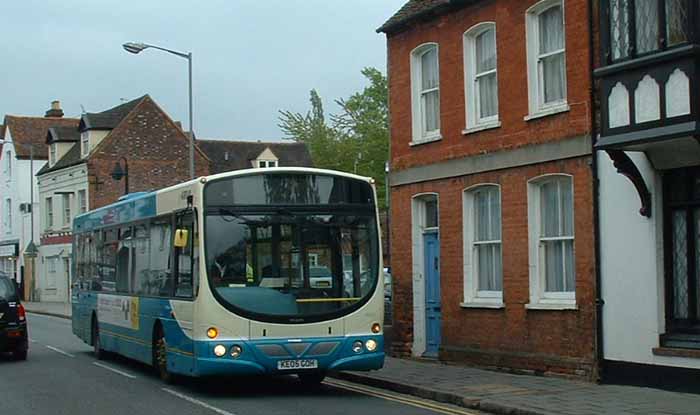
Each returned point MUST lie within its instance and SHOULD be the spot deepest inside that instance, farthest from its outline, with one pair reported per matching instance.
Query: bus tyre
(97, 350)
(160, 357)
(311, 379)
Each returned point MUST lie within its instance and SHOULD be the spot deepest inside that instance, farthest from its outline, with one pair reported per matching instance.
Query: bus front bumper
(263, 357)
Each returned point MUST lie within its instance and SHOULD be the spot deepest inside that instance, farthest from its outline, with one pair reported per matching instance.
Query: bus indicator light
(212, 332)
(376, 328)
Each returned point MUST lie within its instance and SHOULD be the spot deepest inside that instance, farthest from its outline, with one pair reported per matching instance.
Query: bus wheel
(311, 379)
(160, 357)
(97, 350)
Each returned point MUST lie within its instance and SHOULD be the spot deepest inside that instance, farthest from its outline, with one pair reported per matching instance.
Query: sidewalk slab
(62, 310)
(503, 393)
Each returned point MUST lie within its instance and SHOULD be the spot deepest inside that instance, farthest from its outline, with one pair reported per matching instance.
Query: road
(62, 377)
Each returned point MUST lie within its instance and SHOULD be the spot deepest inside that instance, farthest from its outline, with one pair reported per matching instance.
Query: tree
(357, 139)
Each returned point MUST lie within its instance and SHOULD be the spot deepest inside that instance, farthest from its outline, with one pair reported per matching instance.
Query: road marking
(128, 375)
(197, 402)
(399, 398)
(32, 340)
(57, 350)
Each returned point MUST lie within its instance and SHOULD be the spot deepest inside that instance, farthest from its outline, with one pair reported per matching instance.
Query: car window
(7, 289)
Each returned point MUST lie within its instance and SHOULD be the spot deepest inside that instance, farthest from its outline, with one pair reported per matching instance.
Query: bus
(251, 272)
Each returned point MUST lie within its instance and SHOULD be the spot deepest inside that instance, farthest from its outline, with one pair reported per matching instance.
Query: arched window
(425, 86)
(551, 225)
(480, 74)
(483, 264)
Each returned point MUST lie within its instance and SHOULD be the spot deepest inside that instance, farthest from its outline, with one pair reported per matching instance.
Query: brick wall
(156, 149)
(447, 31)
(513, 338)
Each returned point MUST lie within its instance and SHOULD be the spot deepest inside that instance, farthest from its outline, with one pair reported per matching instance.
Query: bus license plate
(297, 364)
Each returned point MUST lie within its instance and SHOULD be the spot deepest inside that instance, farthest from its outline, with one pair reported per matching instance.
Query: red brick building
(491, 183)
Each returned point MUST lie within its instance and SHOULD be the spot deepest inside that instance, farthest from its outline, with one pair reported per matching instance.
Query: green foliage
(357, 138)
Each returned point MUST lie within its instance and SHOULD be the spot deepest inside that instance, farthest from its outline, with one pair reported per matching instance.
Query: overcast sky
(252, 58)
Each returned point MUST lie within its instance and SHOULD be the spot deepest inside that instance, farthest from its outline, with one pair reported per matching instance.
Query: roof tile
(227, 155)
(31, 132)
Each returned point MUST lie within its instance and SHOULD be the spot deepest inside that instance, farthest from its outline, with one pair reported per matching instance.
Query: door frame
(418, 231)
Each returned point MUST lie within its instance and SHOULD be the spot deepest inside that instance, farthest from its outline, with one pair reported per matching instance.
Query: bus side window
(140, 259)
(186, 258)
(94, 258)
(123, 260)
(160, 281)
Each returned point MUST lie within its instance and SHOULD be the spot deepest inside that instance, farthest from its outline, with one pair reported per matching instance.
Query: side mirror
(181, 238)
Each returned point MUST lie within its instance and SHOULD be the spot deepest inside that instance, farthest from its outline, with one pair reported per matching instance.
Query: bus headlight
(371, 345)
(212, 332)
(376, 328)
(357, 346)
(236, 351)
(219, 350)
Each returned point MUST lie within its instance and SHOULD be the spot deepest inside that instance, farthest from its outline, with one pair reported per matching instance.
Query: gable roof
(419, 9)
(30, 133)
(62, 134)
(108, 119)
(227, 155)
(71, 158)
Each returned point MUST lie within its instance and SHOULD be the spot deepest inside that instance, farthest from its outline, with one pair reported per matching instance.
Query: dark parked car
(13, 320)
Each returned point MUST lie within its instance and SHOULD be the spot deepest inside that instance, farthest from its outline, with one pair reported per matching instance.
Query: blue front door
(431, 246)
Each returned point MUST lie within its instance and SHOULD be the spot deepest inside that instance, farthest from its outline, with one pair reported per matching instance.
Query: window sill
(477, 304)
(676, 352)
(427, 140)
(481, 127)
(552, 306)
(557, 109)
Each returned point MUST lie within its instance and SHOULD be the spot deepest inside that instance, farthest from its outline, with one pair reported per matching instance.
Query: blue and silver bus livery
(261, 271)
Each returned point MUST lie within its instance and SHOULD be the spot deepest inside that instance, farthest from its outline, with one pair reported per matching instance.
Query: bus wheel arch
(160, 353)
(95, 341)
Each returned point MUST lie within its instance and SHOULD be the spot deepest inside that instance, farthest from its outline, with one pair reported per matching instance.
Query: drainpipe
(599, 302)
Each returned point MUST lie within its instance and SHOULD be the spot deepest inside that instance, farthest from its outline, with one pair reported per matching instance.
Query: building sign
(9, 250)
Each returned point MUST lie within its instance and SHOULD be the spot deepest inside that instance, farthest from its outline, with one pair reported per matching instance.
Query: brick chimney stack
(55, 111)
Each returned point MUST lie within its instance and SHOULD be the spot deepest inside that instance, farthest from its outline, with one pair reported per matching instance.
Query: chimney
(55, 111)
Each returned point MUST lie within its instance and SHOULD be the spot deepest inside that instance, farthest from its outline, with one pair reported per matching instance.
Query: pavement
(503, 393)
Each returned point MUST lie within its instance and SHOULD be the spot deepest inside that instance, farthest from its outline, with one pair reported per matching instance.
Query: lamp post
(118, 173)
(135, 48)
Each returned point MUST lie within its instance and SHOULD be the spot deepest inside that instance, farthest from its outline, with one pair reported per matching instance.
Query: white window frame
(49, 213)
(8, 164)
(84, 143)
(66, 210)
(267, 163)
(473, 297)
(535, 83)
(8, 215)
(52, 154)
(82, 201)
(419, 135)
(474, 122)
(51, 272)
(539, 298)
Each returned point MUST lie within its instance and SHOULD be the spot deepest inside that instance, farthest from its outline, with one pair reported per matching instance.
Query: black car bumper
(13, 339)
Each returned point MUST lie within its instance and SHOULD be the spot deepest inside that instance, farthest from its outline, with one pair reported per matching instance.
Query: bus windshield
(291, 260)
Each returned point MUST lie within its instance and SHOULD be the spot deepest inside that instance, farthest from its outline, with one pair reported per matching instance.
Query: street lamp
(118, 173)
(135, 48)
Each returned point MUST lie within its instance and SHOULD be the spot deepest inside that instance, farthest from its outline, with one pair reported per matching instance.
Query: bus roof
(142, 205)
